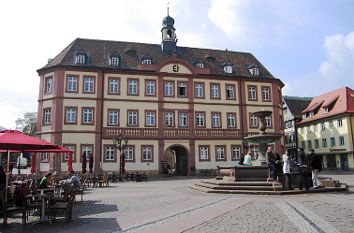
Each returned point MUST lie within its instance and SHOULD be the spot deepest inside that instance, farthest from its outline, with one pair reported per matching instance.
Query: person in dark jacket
(2, 178)
(303, 164)
(316, 167)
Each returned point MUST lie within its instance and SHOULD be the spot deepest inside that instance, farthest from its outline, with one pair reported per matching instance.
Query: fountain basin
(263, 139)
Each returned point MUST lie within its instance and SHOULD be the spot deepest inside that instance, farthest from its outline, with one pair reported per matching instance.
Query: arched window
(147, 59)
(114, 59)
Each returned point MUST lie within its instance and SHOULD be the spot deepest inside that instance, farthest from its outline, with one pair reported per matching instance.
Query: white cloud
(338, 67)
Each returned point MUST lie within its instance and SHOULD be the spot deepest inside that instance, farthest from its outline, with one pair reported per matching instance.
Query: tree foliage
(27, 124)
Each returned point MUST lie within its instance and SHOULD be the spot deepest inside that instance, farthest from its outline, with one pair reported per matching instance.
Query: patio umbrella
(33, 163)
(84, 161)
(13, 140)
(70, 162)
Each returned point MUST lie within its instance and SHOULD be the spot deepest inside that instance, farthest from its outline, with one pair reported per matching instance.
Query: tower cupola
(169, 39)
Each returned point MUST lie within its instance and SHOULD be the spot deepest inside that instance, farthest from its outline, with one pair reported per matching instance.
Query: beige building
(328, 127)
(191, 107)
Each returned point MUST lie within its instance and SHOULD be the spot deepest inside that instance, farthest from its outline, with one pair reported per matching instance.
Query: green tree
(27, 124)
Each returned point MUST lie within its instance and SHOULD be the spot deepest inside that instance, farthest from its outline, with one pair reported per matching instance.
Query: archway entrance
(177, 157)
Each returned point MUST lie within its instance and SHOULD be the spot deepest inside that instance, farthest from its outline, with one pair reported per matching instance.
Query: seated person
(45, 181)
(248, 159)
(73, 180)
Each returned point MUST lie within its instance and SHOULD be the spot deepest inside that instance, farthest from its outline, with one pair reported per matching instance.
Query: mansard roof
(339, 101)
(99, 52)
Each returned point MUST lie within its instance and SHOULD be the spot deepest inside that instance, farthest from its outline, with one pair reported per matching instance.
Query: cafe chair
(7, 210)
(62, 208)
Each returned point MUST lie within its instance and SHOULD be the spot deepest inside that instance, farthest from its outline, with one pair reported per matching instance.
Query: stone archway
(177, 158)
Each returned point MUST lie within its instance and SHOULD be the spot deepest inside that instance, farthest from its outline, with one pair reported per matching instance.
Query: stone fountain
(262, 139)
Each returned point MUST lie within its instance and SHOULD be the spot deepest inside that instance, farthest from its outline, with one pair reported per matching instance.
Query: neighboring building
(2, 128)
(191, 107)
(292, 108)
(327, 127)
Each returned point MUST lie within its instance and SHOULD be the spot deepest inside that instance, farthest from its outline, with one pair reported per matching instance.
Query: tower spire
(168, 8)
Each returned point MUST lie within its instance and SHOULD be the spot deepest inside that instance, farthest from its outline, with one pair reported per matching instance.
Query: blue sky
(308, 44)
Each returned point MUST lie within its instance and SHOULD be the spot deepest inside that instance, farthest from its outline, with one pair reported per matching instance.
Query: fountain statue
(262, 139)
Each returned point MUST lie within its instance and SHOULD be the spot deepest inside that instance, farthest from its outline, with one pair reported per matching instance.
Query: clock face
(175, 68)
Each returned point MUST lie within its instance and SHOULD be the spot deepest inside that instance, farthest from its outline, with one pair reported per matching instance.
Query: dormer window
(114, 59)
(312, 114)
(254, 71)
(146, 61)
(304, 116)
(228, 69)
(199, 65)
(80, 59)
(326, 110)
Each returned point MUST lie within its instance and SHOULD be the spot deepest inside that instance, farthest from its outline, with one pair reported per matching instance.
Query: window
(109, 153)
(323, 127)
(252, 93)
(268, 121)
(169, 86)
(331, 125)
(199, 90)
(169, 122)
(220, 153)
(214, 91)
(333, 141)
(114, 61)
(204, 153)
(231, 120)
(339, 123)
(86, 150)
(235, 152)
(325, 110)
(129, 153)
(311, 114)
(308, 129)
(182, 119)
(317, 144)
(114, 86)
(150, 87)
(71, 85)
(70, 115)
(89, 84)
(80, 59)
(66, 154)
(254, 71)
(146, 61)
(146, 153)
(199, 65)
(216, 120)
(182, 90)
(309, 144)
(133, 118)
(113, 117)
(45, 156)
(133, 87)
(303, 145)
(253, 121)
(230, 92)
(228, 69)
(150, 118)
(341, 140)
(48, 85)
(265, 94)
(46, 116)
(200, 119)
(87, 116)
(324, 142)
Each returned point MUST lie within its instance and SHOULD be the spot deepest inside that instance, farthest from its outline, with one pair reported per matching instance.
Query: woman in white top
(248, 159)
(287, 170)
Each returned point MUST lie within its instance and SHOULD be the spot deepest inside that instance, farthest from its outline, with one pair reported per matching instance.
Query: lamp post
(121, 143)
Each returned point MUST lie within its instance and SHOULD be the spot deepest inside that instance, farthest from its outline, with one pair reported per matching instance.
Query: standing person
(74, 180)
(2, 178)
(316, 167)
(287, 170)
(248, 159)
(303, 163)
(270, 159)
(84, 161)
(241, 159)
(91, 163)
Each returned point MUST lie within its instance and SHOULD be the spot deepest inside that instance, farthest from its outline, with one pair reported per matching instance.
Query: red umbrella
(33, 163)
(70, 162)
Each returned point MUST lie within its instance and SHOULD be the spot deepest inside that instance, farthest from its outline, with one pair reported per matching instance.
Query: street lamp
(121, 143)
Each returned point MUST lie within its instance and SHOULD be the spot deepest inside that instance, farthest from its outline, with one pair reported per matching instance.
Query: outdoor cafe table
(44, 195)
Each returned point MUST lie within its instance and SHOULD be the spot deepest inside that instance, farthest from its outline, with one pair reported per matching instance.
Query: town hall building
(190, 108)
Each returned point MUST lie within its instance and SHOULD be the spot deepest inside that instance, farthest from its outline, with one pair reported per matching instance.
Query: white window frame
(341, 141)
(150, 118)
(228, 69)
(114, 86)
(200, 119)
(204, 153)
(70, 115)
(132, 118)
(87, 116)
(169, 119)
(129, 153)
(199, 90)
(230, 92)
(220, 153)
(49, 85)
(72, 84)
(109, 153)
(252, 93)
(214, 91)
(47, 116)
(132, 87)
(80, 59)
(253, 121)
(150, 87)
(231, 120)
(182, 119)
(266, 93)
(169, 88)
(146, 153)
(182, 89)
(114, 61)
(340, 123)
(216, 120)
(236, 152)
(113, 117)
(268, 121)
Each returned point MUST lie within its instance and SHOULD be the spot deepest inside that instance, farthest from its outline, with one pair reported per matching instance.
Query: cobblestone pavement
(171, 206)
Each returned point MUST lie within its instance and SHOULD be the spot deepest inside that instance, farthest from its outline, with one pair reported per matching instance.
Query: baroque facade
(191, 107)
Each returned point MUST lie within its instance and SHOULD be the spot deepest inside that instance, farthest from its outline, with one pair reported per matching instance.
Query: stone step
(240, 183)
(233, 187)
